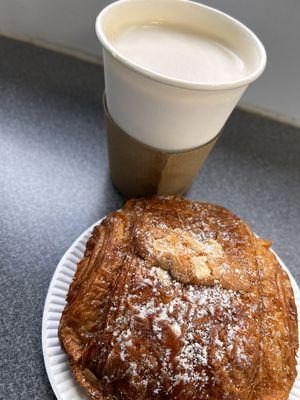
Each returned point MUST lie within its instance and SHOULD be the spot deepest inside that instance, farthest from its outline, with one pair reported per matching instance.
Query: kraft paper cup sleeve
(139, 170)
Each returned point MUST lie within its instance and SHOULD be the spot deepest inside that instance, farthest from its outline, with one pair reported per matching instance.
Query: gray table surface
(54, 183)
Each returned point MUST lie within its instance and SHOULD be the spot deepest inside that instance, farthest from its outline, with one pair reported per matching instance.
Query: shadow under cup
(161, 129)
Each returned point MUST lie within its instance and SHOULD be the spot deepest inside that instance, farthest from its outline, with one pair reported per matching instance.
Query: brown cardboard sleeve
(137, 169)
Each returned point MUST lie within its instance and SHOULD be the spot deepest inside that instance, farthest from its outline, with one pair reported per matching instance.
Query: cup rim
(170, 81)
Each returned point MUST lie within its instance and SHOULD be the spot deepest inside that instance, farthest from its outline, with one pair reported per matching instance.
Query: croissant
(177, 299)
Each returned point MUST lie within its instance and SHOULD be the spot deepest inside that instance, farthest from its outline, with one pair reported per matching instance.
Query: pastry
(177, 299)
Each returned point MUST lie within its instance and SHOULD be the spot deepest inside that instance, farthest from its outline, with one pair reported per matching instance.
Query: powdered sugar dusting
(187, 330)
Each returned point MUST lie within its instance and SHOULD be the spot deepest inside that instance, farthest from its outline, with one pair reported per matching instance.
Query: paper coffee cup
(160, 129)
(160, 111)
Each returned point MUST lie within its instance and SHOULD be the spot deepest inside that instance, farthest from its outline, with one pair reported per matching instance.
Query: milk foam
(178, 53)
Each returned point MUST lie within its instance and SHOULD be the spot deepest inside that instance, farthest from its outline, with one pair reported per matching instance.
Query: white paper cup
(164, 112)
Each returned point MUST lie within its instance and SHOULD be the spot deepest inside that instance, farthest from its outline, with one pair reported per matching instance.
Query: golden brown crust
(179, 300)
(279, 339)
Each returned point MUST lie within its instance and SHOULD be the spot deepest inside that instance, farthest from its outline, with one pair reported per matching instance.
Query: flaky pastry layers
(179, 300)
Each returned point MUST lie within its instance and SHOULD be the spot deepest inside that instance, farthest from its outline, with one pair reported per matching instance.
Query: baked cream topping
(187, 259)
(180, 255)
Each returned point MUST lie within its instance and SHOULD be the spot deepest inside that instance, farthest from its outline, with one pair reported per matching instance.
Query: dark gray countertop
(54, 183)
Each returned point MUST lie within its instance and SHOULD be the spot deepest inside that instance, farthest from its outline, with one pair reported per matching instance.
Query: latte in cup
(174, 69)
(179, 53)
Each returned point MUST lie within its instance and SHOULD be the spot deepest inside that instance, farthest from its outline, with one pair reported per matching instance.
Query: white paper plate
(64, 385)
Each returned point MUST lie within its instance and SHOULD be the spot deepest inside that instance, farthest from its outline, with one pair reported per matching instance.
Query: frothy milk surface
(179, 53)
